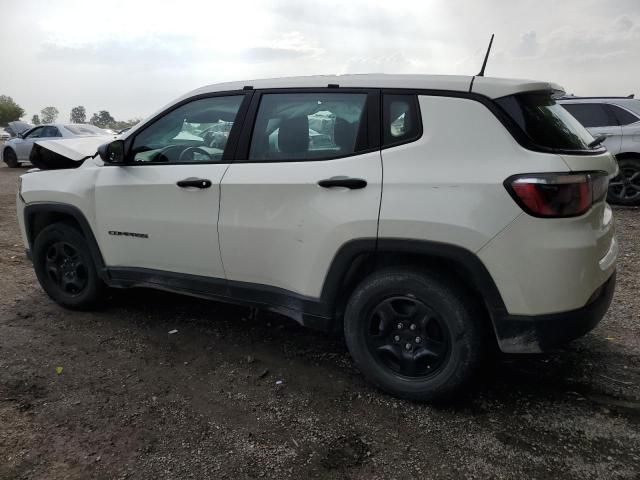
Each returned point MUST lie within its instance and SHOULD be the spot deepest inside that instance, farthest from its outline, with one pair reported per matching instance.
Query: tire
(10, 158)
(438, 332)
(625, 188)
(65, 269)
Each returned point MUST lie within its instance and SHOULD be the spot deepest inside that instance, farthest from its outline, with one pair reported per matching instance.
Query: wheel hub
(66, 268)
(407, 337)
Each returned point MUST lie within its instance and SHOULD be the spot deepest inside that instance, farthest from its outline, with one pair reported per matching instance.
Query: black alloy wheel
(408, 337)
(625, 188)
(66, 268)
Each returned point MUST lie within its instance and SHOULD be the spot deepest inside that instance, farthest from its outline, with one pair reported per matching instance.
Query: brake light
(555, 195)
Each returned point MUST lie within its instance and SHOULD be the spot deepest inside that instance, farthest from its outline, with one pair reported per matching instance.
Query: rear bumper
(537, 333)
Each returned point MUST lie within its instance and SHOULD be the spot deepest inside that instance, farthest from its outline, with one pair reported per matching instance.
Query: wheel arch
(39, 215)
(359, 258)
(628, 156)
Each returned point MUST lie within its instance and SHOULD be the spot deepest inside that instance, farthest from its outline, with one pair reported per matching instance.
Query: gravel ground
(133, 401)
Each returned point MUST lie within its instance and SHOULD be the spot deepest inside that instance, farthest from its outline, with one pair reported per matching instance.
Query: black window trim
(383, 120)
(369, 133)
(234, 133)
(240, 134)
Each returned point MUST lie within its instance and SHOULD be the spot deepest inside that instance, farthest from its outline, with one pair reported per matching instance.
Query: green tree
(78, 115)
(122, 124)
(102, 119)
(49, 114)
(9, 110)
(35, 120)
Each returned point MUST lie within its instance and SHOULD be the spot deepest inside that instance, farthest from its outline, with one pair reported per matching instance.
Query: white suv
(427, 216)
(617, 121)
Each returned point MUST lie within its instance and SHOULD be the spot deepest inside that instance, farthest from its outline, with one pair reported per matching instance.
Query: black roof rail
(575, 97)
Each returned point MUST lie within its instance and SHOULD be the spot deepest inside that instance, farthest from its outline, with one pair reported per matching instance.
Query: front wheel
(10, 158)
(65, 268)
(625, 188)
(412, 334)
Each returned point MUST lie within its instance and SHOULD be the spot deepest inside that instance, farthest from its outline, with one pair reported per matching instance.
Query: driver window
(194, 132)
(35, 133)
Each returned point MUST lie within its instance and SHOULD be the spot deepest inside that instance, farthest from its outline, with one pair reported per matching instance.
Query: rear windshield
(545, 122)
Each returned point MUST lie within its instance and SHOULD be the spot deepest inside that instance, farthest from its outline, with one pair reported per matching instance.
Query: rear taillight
(557, 194)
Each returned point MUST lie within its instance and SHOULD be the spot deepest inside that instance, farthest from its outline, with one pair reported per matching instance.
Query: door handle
(194, 182)
(347, 182)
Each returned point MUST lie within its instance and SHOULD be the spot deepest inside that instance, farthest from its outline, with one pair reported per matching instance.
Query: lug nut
(400, 326)
(408, 346)
(413, 326)
(397, 338)
(418, 339)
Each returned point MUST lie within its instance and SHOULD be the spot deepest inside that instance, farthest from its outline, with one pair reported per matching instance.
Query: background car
(4, 135)
(18, 149)
(617, 119)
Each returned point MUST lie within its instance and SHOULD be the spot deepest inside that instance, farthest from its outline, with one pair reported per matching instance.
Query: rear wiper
(597, 141)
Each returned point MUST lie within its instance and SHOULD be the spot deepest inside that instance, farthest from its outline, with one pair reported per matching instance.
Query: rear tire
(10, 158)
(412, 334)
(625, 188)
(65, 269)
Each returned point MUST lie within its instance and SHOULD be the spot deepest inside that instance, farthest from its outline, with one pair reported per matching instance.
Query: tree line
(10, 111)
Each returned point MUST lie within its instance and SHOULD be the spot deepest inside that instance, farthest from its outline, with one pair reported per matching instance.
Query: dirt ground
(133, 401)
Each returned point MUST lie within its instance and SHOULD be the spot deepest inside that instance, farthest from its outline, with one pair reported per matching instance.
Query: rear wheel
(65, 268)
(10, 158)
(412, 334)
(625, 188)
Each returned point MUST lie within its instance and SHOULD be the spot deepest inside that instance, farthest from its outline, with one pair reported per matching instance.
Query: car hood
(19, 127)
(76, 149)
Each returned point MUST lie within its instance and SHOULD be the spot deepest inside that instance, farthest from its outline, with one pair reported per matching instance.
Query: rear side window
(400, 119)
(545, 122)
(308, 126)
(623, 116)
(591, 114)
(49, 132)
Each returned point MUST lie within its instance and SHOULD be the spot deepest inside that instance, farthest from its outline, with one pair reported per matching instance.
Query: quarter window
(624, 117)
(400, 119)
(196, 132)
(591, 114)
(308, 126)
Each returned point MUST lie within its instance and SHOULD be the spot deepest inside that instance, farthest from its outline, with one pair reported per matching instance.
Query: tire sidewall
(64, 232)
(464, 348)
(10, 158)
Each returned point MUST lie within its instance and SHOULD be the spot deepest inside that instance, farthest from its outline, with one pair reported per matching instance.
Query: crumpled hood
(76, 149)
(65, 153)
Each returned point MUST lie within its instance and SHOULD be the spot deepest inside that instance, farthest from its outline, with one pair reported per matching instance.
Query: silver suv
(617, 119)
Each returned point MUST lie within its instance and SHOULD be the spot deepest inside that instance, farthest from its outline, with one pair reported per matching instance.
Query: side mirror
(112, 152)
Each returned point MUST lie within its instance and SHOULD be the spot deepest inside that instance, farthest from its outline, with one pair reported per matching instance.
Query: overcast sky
(132, 57)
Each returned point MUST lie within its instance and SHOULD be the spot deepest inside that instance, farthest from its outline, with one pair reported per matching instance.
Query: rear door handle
(194, 183)
(347, 182)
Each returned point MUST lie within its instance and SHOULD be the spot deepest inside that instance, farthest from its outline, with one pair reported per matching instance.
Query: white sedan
(17, 150)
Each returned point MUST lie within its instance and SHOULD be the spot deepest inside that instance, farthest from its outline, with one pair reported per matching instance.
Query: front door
(160, 210)
(308, 181)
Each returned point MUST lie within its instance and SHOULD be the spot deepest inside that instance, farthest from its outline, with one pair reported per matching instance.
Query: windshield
(545, 122)
(85, 130)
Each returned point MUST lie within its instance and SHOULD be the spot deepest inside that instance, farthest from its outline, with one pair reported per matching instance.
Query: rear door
(599, 120)
(306, 180)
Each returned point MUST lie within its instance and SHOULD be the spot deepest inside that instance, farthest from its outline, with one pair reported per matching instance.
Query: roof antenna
(486, 57)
